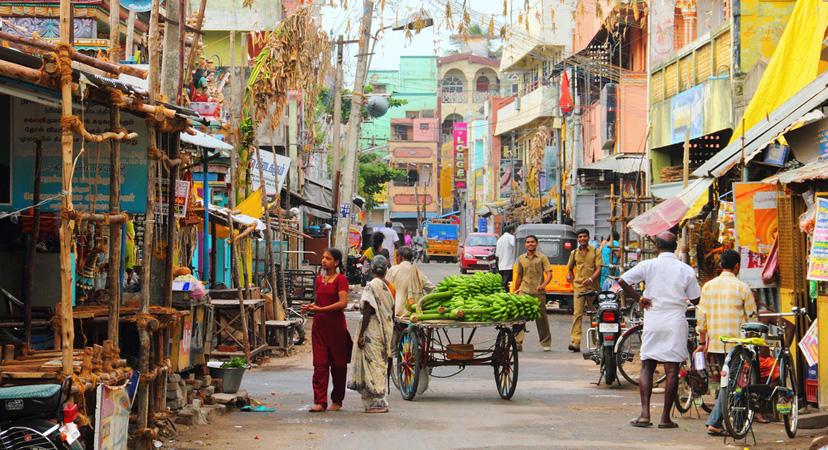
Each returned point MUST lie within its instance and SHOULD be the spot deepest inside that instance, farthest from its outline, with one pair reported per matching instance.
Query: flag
(566, 98)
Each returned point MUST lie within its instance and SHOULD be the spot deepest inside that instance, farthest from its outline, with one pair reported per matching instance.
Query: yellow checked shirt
(726, 303)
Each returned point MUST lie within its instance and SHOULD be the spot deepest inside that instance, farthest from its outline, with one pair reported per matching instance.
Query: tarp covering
(794, 63)
(318, 199)
(668, 213)
(622, 164)
(200, 139)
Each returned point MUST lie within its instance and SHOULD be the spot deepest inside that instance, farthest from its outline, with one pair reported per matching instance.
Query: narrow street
(556, 405)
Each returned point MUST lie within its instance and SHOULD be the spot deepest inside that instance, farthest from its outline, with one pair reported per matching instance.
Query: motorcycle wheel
(608, 360)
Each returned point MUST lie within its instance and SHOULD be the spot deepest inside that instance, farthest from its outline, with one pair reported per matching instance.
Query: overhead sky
(393, 44)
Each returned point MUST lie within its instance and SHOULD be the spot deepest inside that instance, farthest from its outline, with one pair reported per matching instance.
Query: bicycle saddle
(755, 327)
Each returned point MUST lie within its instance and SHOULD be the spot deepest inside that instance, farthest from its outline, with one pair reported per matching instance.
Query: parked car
(476, 252)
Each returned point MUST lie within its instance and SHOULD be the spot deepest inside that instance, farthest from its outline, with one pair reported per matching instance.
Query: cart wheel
(409, 359)
(505, 361)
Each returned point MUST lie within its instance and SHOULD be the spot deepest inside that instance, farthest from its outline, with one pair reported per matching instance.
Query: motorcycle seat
(755, 327)
(37, 391)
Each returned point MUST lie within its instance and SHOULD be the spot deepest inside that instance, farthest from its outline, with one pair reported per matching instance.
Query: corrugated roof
(815, 170)
(619, 164)
(787, 114)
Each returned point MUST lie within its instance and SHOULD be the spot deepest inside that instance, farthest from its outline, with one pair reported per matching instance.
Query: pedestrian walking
(331, 340)
(391, 241)
(669, 283)
(372, 350)
(505, 253)
(726, 304)
(533, 274)
(610, 259)
(584, 269)
(408, 281)
(407, 240)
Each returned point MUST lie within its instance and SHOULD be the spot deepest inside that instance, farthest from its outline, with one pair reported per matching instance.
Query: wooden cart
(423, 346)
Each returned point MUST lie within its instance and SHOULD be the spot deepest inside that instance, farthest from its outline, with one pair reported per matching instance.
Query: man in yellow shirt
(533, 274)
(584, 271)
(726, 303)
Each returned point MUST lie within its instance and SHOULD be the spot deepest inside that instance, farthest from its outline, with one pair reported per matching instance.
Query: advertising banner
(686, 114)
(461, 154)
(662, 18)
(112, 418)
(756, 228)
(818, 262)
(32, 122)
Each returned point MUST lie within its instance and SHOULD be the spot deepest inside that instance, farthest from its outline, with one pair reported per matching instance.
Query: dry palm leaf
(466, 17)
(449, 22)
(491, 30)
(503, 32)
(505, 9)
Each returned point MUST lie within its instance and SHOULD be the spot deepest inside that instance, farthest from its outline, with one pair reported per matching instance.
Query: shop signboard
(32, 122)
(461, 154)
(818, 261)
(275, 168)
(810, 345)
(756, 228)
(686, 114)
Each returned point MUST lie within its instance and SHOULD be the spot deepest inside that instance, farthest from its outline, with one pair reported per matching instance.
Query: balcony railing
(455, 96)
(482, 96)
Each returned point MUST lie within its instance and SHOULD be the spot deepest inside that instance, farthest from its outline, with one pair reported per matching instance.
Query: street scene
(248, 224)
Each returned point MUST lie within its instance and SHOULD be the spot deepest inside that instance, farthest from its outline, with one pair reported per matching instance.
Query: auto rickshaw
(556, 241)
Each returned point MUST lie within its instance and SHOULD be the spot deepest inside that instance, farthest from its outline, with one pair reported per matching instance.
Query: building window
(482, 84)
(452, 83)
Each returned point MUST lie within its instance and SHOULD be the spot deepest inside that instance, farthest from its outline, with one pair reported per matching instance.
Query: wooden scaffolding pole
(67, 327)
(115, 228)
(31, 251)
(149, 227)
(271, 266)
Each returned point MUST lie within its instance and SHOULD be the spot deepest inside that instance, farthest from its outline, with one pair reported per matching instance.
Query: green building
(415, 82)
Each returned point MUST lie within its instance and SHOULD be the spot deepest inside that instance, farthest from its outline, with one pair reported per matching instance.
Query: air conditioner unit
(608, 114)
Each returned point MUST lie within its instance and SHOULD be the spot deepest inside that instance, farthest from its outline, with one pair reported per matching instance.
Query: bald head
(666, 242)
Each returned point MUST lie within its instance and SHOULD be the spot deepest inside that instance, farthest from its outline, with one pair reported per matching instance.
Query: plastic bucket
(231, 378)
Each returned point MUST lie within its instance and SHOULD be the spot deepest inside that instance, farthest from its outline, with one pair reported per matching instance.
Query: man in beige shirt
(584, 270)
(533, 274)
(408, 280)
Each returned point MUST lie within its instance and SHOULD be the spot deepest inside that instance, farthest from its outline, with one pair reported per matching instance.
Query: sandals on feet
(668, 425)
(638, 423)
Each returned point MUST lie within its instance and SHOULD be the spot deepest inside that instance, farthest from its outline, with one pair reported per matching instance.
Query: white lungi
(669, 283)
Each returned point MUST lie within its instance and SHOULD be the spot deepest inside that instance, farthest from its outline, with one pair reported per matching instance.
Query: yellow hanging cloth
(794, 64)
(251, 206)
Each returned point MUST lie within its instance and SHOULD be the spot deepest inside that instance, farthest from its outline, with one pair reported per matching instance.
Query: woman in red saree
(331, 341)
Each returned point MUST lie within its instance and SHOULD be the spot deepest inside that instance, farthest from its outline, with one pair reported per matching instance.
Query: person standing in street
(390, 242)
(505, 253)
(610, 258)
(533, 274)
(726, 303)
(584, 268)
(331, 340)
(372, 350)
(408, 281)
(669, 284)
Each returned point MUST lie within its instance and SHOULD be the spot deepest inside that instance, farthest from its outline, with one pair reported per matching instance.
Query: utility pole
(337, 125)
(354, 122)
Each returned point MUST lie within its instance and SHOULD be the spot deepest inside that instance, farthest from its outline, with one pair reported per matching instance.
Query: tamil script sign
(275, 168)
(818, 261)
(461, 154)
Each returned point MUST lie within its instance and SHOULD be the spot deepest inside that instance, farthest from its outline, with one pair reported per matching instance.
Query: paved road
(555, 406)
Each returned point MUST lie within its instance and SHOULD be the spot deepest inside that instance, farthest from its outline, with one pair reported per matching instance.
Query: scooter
(354, 272)
(604, 332)
(39, 417)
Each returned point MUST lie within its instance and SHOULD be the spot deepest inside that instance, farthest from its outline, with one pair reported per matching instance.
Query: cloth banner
(668, 213)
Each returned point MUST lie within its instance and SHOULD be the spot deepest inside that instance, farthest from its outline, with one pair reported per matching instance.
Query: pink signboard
(461, 154)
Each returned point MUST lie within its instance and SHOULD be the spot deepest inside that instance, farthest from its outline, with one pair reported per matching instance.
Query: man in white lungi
(669, 285)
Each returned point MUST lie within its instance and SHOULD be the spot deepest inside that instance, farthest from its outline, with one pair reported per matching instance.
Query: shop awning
(760, 135)
(318, 199)
(204, 140)
(622, 164)
(668, 213)
(664, 191)
(815, 170)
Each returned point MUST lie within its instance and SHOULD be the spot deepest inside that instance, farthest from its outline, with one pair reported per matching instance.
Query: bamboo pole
(67, 326)
(196, 37)
(31, 251)
(112, 68)
(115, 228)
(143, 332)
(235, 268)
(130, 34)
(271, 267)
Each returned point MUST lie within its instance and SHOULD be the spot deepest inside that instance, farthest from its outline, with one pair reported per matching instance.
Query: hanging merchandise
(818, 259)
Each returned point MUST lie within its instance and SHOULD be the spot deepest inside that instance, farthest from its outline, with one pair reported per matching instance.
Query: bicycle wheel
(686, 396)
(409, 360)
(628, 356)
(505, 362)
(738, 417)
(787, 379)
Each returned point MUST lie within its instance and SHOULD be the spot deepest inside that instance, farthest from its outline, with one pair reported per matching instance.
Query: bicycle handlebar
(795, 311)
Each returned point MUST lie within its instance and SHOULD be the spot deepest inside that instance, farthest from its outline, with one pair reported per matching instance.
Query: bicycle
(692, 391)
(744, 393)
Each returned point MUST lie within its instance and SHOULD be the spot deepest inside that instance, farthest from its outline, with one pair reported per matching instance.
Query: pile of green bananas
(476, 298)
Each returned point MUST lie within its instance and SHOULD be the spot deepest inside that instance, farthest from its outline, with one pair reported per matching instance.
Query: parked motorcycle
(604, 331)
(354, 272)
(38, 417)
